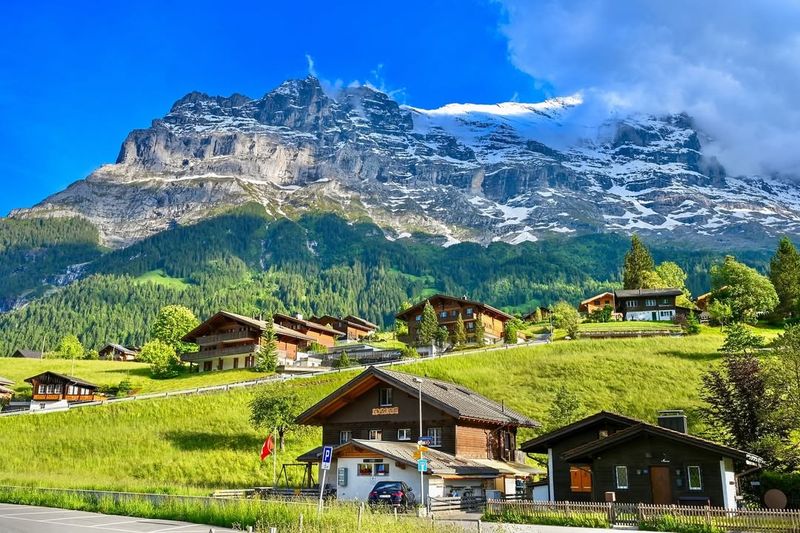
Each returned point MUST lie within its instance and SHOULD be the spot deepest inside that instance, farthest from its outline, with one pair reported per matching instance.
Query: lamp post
(421, 474)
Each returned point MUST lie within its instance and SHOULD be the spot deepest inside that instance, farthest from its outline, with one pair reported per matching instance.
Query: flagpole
(274, 462)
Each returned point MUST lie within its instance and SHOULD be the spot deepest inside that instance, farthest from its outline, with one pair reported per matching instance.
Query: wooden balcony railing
(227, 337)
(220, 352)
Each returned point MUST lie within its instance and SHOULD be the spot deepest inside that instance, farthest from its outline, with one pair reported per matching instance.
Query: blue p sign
(327, 455)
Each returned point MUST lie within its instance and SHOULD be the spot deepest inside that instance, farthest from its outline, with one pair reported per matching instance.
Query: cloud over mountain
(733, 66)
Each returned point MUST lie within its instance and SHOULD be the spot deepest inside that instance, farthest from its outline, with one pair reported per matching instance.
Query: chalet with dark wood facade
(373, 422)
(639, 462)
(351, 328)
(544, 312)
(117, 352)
(49, 387)
(228, 341)
(649, 304)
(322, 334)
(448, 309)
(6, 392)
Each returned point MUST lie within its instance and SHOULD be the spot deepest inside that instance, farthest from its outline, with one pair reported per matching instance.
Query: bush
(343, 361)
(788, 483)
(407, 352)
(164, 362)
(510, 516)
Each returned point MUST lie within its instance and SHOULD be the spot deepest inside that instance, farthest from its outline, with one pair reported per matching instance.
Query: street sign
(417, 454)
(422, 448)
(327, 455)
(422, 465)
(425, 441)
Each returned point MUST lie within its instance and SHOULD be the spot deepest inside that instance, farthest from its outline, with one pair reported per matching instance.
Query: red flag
(267, 448)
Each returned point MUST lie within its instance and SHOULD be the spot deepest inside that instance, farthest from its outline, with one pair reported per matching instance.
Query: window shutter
(574, 479)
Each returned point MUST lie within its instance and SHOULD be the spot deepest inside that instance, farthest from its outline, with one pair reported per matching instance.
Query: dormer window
(385, 399)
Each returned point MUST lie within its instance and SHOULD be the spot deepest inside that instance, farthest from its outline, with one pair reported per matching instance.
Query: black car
(395, 493)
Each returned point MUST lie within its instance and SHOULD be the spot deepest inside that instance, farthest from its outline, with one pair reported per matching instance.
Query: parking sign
(422, 465)
(327, 455)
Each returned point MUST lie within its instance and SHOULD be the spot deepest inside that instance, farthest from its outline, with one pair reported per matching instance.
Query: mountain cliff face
(512, 172)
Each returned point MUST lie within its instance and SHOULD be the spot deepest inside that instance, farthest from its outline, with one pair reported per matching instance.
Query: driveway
(30, 519)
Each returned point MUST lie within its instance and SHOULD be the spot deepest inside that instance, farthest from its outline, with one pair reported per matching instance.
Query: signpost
(422, 465)
(327, 455)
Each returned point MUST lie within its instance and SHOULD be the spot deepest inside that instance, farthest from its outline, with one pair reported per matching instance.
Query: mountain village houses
(657, 305)
(449, 308)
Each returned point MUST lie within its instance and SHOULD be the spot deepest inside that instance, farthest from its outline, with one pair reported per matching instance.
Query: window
(206, 366)
(622, 476)
(57, 388)
(235, 362)
(454, 313)
(664, 301)
(443, 314)
(469, 311)
(381, 469)
(436, 437)
(630, 303)
(695, 481)
(470, 325)
(345, 436)
(665, 314)
(42, 389)
(650, 302)
(385, 398)
(249, 361)
(418, 318)
(404, 434)
(364, 469)
(580, 479)
(375, 434)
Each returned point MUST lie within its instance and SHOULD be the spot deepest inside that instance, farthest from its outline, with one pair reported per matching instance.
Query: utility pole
(421, 473)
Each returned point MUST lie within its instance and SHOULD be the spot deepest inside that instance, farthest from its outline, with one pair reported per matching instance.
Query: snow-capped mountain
(513, 172)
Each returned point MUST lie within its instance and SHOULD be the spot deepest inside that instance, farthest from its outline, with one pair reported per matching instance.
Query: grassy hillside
(112, 372)
(196, 444)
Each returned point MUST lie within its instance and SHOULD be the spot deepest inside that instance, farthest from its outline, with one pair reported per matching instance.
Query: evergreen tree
(343, 361)
(460, 333)
(441, 336)
(480, 333)
(267, 357)
(428, 325)
(692, 326)
(638, 263)
(784, 273)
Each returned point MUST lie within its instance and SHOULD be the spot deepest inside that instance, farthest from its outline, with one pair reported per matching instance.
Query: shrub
(407, 352)
(343, 361)
(164, 362)
(510, 516)
(674, 524)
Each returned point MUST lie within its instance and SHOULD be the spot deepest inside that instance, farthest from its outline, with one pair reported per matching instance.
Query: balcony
(227, 337)
(245, 349)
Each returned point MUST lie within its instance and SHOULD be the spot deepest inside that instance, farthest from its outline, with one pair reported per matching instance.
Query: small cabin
(52, 387)
(117, 352)
(27, 354)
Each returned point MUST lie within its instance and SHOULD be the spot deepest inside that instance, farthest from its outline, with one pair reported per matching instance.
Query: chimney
(298, 316)
(674, 420)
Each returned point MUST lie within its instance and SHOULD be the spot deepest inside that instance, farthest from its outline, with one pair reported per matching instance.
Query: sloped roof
(119, 348)
(419, 305)
(620, 437)
(5, 381)
(252, 322)
(439, 463)
(458, 401)
(63, 377)
(632, 293)
(307, 323)
(5, 390)
(30, 354)
(360, 321)
(543, 442)
(595, 297)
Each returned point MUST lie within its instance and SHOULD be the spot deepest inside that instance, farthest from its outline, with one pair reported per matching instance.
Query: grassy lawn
(161, 278)
(199, 443)
(112, 372)
(386, 341)
(628, 326)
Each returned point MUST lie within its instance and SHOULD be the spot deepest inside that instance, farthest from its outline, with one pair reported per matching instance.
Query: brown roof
(542, 442)
(5, 381)
(360, 321)
(419, 305)
(119, 348)
(632, 293)
(456, 400)
(595, 297)
(29, 354)
(65, 378)
(627, 434)
(307, 323)
(252, 322)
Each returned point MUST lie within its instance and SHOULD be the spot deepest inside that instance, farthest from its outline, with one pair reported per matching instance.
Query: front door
(661, 485)
(655, 317)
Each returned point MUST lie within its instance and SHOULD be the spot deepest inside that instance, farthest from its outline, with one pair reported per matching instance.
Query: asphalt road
(29, 519)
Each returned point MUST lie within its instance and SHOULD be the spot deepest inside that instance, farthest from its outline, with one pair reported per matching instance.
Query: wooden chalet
(6, 392)
(51, 387)
(322, 334)
(598, 302)
(649, 304)
(351, 328)
(545, 313)
(228, 341)
(373, 422)
(448, 309)
(117, 352)
(639, 462)
(28, 354)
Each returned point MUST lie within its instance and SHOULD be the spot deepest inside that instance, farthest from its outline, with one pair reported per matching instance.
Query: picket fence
(751, 520)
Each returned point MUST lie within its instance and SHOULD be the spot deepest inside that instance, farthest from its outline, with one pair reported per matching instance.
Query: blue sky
(76, 77)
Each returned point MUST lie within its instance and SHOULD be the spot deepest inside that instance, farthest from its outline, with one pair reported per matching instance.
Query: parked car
(395, 493)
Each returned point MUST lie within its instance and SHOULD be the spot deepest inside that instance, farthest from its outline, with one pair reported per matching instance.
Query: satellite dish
(775, 499)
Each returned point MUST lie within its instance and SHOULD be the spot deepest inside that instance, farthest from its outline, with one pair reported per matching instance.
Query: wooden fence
(750, 520)
(457, 503)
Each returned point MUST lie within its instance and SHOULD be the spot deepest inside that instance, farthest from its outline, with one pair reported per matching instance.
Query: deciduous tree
(276, 408)
(747, 292)
(70, 347)
(566, 317)
(565, 409)
(164, 361)
(171, 324)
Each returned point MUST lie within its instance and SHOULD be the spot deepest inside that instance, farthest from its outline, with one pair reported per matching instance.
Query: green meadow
(196, 444)
(110, 373)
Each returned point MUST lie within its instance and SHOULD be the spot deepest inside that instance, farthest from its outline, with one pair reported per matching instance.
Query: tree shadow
(202, 440)
(693, 356)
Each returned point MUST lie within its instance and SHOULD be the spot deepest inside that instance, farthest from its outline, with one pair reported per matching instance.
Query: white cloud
(733, 66)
